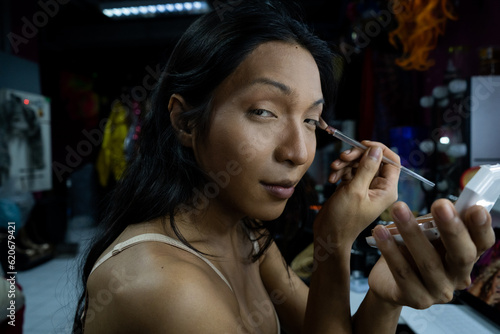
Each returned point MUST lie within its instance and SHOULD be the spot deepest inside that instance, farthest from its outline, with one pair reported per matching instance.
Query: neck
(214, 227)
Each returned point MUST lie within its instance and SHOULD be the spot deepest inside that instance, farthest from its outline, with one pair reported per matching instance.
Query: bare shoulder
(153, 288)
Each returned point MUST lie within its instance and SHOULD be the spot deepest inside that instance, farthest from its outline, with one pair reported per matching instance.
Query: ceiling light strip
(187, 7)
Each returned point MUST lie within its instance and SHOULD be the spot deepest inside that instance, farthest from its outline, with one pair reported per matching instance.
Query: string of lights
(127, 9)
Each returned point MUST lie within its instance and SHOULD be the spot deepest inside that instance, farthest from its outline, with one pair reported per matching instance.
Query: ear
(177, 106)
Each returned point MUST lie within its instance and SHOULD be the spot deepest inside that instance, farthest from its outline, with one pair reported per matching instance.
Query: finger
(349, 156)
(346, 159)
(478, 222)
(368, 168)
(426, 257)
(352, 154)
(340, 175)
(388, 171)
(345, 173)
(339, 165)
(338, 168)
(402, 271)
(461, 252)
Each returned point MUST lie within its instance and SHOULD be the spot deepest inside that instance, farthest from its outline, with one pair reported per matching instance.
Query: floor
(51, 290)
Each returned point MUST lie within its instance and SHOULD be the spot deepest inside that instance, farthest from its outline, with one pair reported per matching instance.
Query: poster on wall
(25, 144)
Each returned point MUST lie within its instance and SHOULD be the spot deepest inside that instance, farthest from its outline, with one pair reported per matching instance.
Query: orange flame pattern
(420, 23)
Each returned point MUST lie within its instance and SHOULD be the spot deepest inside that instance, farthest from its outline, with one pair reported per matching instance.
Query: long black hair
(162, 175)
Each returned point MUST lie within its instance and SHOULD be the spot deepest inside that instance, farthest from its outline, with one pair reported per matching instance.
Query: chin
(269, 213)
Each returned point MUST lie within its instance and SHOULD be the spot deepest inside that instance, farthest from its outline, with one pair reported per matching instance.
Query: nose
(294, 144)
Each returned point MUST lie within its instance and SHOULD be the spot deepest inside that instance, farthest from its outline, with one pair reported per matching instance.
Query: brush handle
(336, 133)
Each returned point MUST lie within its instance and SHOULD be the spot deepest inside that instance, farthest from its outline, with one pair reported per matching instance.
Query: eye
(312, 122)
(261, 113)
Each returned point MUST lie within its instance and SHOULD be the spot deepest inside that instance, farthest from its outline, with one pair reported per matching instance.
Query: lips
(281, 190)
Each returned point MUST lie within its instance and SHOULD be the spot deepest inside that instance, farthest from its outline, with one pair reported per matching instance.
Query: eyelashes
(313, 122)
(262, 113)
(266, 113)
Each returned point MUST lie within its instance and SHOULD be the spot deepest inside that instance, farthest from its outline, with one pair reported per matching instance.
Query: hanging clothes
(111, 160)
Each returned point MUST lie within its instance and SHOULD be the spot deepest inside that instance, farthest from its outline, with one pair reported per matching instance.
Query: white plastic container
(483, 189)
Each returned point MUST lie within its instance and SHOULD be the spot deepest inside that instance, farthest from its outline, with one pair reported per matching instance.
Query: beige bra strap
(159, 238)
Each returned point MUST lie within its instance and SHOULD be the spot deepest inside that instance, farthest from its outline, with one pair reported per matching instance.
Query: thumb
(368, 167)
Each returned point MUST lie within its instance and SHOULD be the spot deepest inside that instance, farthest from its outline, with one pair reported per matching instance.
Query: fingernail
(347, 152)
(375, 152)
(445, 214)
(382, 233)
(479, 217)
(402, 214)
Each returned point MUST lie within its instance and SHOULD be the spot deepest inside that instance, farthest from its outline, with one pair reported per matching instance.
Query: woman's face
(261, 137)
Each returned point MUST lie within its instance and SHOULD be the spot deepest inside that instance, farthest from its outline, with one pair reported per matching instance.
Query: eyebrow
(283, 88)
(318, 102)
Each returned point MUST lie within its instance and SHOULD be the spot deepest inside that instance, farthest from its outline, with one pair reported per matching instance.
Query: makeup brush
(339, 135)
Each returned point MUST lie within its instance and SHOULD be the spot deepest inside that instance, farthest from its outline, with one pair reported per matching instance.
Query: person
(230, 133)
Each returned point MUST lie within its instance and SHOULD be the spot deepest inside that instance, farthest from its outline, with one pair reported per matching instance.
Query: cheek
(311, 150)
(223, 148)
(255, 147)
(211, 149)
